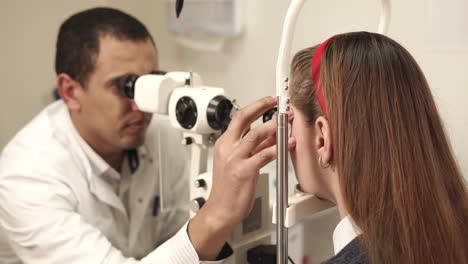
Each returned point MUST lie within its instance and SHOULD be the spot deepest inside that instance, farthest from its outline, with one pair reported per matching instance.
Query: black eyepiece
(218, 113)
(126, 85)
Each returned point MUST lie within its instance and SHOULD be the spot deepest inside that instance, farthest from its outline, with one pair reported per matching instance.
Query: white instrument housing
(201, 96)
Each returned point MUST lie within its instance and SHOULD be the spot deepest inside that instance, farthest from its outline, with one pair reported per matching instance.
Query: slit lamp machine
(203, 113)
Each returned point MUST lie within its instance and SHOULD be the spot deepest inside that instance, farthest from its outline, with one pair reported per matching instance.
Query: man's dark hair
(78, 39)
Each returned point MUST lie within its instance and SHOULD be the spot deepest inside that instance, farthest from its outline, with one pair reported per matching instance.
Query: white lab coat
(55, 210)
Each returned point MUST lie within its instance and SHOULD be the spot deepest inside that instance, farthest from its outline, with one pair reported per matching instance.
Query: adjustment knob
(197, 204)
(218, 113)
(269, 115)
(187, 141)
(200, 183)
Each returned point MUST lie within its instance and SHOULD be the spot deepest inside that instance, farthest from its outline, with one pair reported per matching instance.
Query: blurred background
(434, 31)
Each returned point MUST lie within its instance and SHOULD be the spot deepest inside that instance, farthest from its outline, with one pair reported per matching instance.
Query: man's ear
(69, 91)
(323, 140)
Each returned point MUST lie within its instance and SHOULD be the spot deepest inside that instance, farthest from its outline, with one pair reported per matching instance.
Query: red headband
(316, 62)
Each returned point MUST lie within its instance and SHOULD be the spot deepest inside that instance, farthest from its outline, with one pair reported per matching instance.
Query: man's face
(109, 121)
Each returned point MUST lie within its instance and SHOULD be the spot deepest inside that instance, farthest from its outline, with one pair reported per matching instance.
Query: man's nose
(134, 105)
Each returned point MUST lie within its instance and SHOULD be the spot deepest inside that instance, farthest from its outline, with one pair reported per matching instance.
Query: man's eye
(118, 81)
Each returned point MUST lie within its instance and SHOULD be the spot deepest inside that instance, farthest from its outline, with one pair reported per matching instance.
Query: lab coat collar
(144, 183)
(63, 129)
(95, 168)
(98, 165)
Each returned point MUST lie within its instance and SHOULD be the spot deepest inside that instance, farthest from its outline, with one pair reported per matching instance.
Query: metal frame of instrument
(282, 93)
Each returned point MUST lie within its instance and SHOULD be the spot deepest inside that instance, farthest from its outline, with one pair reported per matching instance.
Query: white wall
(153, 14)
(27, 46)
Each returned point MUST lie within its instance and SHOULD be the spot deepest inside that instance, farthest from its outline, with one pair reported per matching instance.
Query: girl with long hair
(370, 138)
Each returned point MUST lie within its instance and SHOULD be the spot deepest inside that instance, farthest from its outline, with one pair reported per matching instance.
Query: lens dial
(186, 112)
(218, 113)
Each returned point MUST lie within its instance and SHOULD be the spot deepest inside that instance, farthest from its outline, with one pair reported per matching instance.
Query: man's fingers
(263, 157)
(247, 115)
(255, 137)
(267, 155)
(270, 141)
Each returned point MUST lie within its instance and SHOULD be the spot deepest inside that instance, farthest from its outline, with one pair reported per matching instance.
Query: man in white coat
(80, 182)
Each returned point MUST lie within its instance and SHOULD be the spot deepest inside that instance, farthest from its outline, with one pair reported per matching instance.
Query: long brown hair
(399, 179)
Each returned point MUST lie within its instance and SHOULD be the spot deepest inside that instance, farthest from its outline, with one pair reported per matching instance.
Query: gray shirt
(353, 253)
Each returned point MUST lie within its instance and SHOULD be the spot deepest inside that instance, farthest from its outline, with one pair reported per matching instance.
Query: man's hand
(237, 162)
